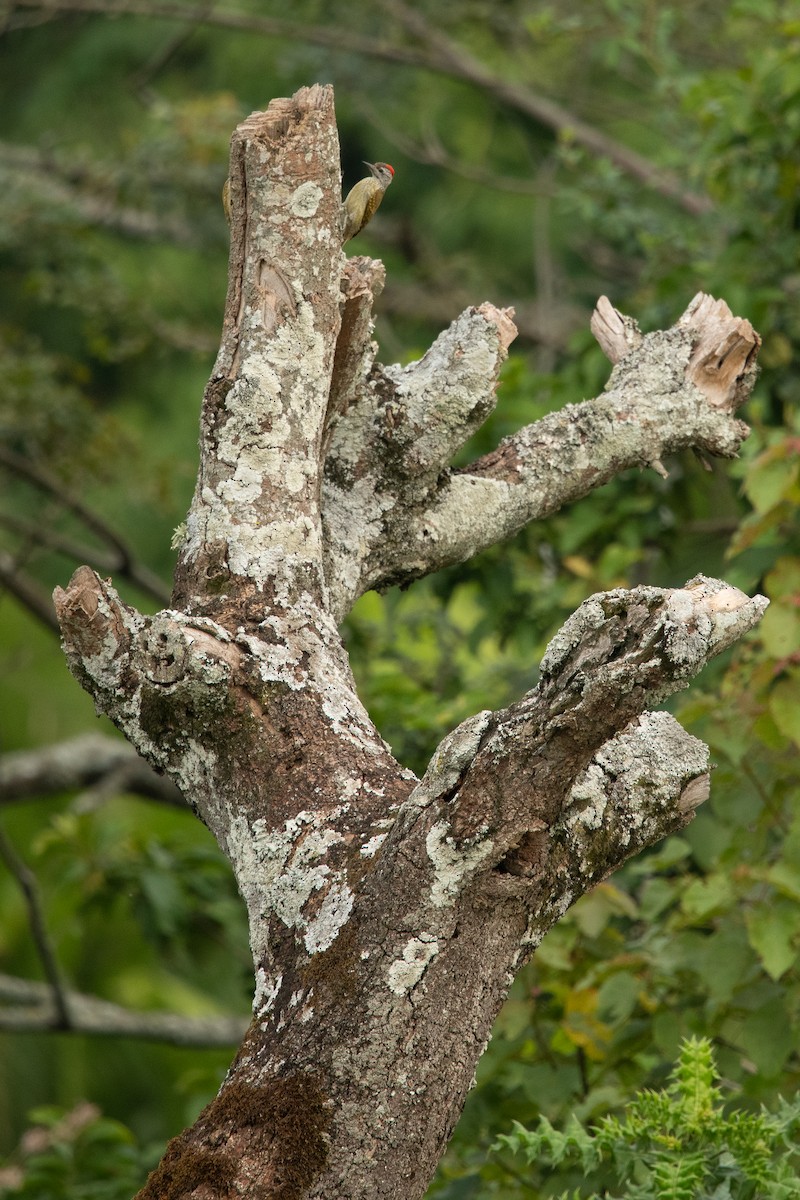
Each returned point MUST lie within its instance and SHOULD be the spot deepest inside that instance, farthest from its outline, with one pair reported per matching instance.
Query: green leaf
(767, 1036)
(594, 910)
(779, 629)
(723, 962)
(785, 879)
(618, 996)
(784, 579)
(656, 896)
(784, 705)
(706, 897)
(773, 930)
(770, 480)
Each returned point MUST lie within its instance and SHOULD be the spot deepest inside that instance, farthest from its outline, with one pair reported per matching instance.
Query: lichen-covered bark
(388, 914)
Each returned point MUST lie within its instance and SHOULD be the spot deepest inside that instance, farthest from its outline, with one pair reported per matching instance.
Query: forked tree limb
(393, 512)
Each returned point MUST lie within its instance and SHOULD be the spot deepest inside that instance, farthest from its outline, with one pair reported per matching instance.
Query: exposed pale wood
(615, 333)
(723, 361)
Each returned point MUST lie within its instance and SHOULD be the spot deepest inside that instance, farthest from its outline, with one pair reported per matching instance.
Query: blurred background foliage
(545, 154)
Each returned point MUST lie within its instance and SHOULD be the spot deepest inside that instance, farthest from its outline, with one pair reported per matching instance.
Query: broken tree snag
(391, 449)
(444, 397)
(96, 626)
(519, 813)
(387, 915)
(639, 646)
(254, 522)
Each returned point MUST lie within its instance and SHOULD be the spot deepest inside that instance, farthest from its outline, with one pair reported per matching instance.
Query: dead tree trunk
(388, 915)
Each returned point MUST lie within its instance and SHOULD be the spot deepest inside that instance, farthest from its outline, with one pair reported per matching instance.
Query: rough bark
(388, 914)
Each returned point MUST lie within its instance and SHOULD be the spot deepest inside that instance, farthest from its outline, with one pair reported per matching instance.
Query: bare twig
(41, 534)
(31, 1010)
(124, 564)
(148, 70)
(29, 594)
(432, 153)
(91, 199)
(47, 482)
(29, 886)
(332, 37)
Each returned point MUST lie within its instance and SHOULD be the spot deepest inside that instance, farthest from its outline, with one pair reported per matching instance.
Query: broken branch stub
(722, 364)
(615, 333)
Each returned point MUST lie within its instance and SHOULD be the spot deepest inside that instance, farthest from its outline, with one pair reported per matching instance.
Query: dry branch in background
(98, 765)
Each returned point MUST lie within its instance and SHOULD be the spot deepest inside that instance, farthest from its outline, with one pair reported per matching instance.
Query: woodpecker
(362, 201)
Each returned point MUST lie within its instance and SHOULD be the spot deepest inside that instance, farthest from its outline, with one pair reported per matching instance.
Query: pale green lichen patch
(406, 972)
(266, 992)
(370, 848)
(266, 439)
(452, 865)
(324, 928)
(452, 757)
(304, 201)
(281, 869)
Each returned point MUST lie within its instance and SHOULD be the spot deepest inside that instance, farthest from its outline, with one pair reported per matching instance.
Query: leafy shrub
(677, 1144)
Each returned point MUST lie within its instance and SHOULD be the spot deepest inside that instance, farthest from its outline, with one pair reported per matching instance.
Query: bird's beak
(372, 167)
